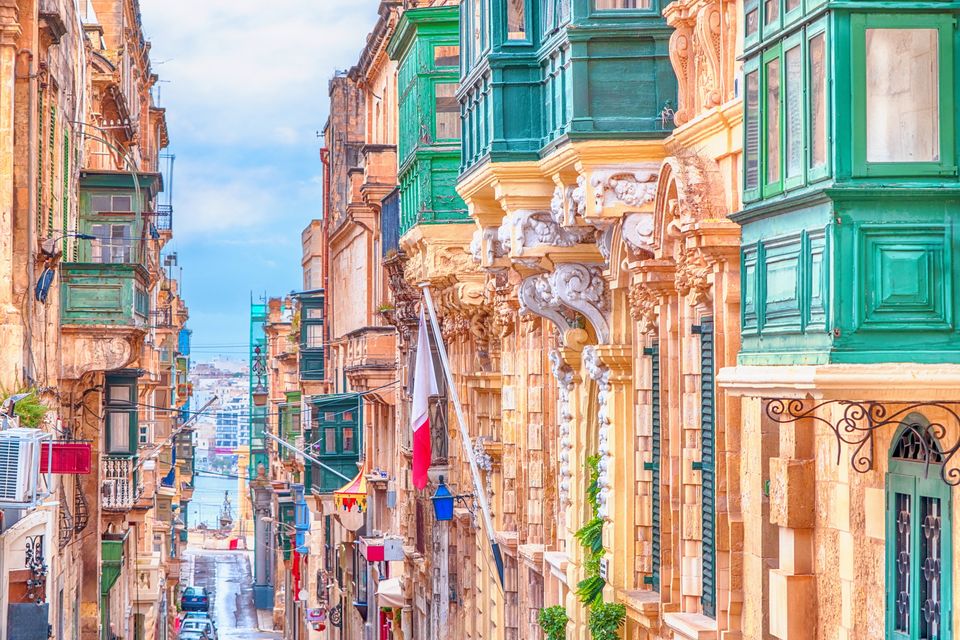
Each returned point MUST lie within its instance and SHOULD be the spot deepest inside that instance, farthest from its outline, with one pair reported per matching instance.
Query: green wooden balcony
(96, 294)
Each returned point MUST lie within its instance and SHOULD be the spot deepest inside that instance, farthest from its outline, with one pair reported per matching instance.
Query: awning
(350, 502)
(390, 593)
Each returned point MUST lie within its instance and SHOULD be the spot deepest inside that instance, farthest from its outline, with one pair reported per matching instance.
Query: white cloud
(253, 73)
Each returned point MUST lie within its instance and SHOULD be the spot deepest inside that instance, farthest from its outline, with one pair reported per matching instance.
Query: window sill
(691, 626)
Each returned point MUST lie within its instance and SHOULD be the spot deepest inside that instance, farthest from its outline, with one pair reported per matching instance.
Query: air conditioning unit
(20, 466)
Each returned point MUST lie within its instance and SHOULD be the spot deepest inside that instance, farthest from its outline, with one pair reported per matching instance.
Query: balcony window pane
(118, 394)
(772, 10)
(818, 100)
(752, 128)
(100, 203)
(448, 112)
(121, 204)
(314, 313)
(604, 5)
(477, 24)
(794, 111)
(563, 10)
(516, 20)
(773, 121)
(446, 56)
(314, 336)
(119, 422)
(348, 440)
(330, 440)
(753, 21)
(791, 5)
(903, 106)
(113, 244)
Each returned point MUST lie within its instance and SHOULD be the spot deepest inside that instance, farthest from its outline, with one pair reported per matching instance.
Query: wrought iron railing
(163, 217)
(120, 489)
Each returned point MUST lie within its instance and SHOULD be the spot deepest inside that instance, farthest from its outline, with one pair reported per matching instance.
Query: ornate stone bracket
(600, 373)
(570, 287)
(531, 229)
(566, 377)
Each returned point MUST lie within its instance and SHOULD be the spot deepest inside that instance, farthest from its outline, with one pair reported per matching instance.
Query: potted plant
(553, 620)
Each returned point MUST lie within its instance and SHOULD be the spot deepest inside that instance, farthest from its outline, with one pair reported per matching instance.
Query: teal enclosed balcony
(426, 46)
(333, 438)
(112, 295)
(536, 74)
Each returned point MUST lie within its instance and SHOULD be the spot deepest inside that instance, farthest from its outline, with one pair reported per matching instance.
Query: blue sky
(244, 83)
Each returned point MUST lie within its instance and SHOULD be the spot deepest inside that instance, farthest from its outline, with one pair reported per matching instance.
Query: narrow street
(227, 578)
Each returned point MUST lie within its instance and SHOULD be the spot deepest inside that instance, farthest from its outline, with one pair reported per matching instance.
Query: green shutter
(708, 597)
(654, 464)
(52, 146)
(65, 194)
(40, 163)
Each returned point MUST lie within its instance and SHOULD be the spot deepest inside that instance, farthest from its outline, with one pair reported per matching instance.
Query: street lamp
(49, 249)
(260, 391)
(274, 521)
(443, 501)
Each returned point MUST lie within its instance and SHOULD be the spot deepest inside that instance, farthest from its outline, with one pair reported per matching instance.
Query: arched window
(918, 536)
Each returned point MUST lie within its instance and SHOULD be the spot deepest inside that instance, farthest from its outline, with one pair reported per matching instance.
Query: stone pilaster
(11, 324)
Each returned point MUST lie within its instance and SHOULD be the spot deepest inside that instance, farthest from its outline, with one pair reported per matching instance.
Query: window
(348, 440)
(314, 336)
(751, 162)
(605, 5)
(918, 555)
(516, 20)
(313, 313)
(752, 21)
(446, 56)
(771, 11)
(772, 131)
(708, 476)
(903, 119)
(111, 204)
(114, 243)
(121, 415)
(817, 52)
(330, 440)
(793, 120)
(902, 78)
(448, 112)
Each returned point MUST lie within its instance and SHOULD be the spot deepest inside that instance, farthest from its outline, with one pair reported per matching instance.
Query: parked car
(200, 627)
(199, 615)
(195, 599)
(190, 635)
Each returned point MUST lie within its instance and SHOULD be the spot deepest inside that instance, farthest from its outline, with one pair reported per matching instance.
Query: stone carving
(99, 350)
(565, 376)
(502, 298)
(707, 47)
(405, 297)
(691, 277)
(644, 308)
(695, 53)
(488, 244)
(528, 229)
(600, 374)
(537, 298)
(570, 287)
(680, 54)
(484, 463)
(583, 289)
(635, 187)
(637, 231)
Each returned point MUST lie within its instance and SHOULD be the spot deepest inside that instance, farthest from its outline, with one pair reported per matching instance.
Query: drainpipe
(325, 235)
(34, 141)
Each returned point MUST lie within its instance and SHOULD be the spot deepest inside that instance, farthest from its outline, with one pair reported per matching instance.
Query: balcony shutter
(708, 597)
(654, 464)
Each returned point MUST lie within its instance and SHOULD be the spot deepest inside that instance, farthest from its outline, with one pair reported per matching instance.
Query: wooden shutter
(654, 464)
(708, 597)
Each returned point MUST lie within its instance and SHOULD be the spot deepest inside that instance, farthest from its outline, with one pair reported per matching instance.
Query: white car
(198, 626)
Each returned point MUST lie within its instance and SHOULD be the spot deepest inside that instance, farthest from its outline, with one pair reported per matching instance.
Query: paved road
(226, 575)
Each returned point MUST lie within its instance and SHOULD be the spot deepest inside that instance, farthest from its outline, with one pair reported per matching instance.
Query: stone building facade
(93, 327)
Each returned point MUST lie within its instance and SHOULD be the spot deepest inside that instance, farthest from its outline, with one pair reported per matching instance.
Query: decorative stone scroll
(692, 271)
(644, 307)
(529, 229)
(565, 376)
(600, 373)
(635, 187)
(570, 287)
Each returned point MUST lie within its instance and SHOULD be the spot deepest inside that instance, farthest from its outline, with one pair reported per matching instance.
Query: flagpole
(478, 492)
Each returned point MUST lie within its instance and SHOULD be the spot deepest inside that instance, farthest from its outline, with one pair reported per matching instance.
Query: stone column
(11, 326)
(793, 585)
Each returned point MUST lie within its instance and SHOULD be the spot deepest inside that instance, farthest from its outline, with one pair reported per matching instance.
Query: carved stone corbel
(532, 229)
(620, 190)
(566, 381)
(644, 307)
(600, 373)
(693, 270)
(569, 288)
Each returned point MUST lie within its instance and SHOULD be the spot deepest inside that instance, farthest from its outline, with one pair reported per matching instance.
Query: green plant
(385, 307)
(553, 620)
(30, 409)
(590, 535)
(605, 620)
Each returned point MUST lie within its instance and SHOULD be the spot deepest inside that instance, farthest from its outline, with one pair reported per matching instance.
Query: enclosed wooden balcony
(120, 487)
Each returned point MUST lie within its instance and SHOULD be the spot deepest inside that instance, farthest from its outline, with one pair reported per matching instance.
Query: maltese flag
(424, 386)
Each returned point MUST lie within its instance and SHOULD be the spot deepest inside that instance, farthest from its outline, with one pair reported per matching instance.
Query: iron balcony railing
(163, 217)
(120, 487)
